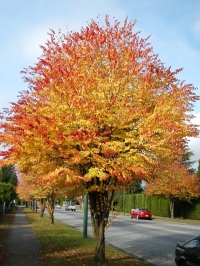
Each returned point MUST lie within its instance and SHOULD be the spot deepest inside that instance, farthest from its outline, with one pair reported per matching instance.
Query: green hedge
(159, 206)
(191, 210)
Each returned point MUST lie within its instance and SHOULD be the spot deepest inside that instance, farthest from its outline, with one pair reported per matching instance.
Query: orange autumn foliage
(174, 181)
(99, 96)
(101, 110)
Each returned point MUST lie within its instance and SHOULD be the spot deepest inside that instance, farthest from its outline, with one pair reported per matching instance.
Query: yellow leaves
(100, 95)
(63, 175)
(95, 172)
(78, 157)
(105, 106)
(102, 188)
(111, 149)
(100, 160)
(116, 146)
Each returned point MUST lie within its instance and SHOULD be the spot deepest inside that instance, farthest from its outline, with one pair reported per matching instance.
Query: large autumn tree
(100, 111)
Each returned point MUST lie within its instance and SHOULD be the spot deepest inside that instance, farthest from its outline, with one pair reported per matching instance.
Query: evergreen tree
(187, 161)
(7, 192)
(8, 175)
(134, 187)
(198, 169)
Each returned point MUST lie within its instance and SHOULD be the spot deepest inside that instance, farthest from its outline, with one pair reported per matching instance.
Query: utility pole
(124, 201)
(85, 218)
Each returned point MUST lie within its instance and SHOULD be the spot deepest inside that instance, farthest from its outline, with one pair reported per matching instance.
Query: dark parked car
(187, 253)
(140, 213)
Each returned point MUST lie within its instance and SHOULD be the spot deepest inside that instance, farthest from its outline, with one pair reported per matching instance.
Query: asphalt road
(152, 241)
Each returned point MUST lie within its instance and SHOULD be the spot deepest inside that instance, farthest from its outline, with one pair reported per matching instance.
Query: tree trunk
(42, 207)
(32, 205)
(171, 206)
(35, 204)
(100, 205)
(50, 206)
(99, 234)
(4, 208)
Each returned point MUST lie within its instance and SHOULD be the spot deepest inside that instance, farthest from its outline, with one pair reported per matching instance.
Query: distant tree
(7, 192)
(134, 187)
(80, 200)
(8, 183)
(187, 161)
(198, 170)
(175, 182)
(8, 175)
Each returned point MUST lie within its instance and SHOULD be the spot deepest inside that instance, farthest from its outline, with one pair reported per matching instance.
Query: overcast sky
(174, 26)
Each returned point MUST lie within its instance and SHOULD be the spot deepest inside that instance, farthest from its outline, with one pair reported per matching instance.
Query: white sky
(174, 26)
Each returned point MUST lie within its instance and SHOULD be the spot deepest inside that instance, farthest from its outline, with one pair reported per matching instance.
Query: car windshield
(193, 244)
(144, 210)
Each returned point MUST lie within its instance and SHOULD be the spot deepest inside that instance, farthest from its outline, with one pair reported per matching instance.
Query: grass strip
(63, 245)
(5, 223)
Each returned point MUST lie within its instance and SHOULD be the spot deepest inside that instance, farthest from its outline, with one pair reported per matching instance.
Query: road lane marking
(164, 229)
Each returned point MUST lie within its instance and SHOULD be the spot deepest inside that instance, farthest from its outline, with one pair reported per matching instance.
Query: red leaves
(82, 135)
(105, 133)
(109, 153)
(98, 98)
(3, 153)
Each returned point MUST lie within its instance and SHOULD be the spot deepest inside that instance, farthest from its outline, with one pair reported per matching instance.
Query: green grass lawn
(5, 223)
(63, 245)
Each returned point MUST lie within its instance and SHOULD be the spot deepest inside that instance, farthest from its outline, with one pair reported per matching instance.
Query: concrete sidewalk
(22, 246)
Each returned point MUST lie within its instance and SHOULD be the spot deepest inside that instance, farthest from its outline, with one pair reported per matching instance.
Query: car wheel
(131, 216)
(183, 263)
(137, 217)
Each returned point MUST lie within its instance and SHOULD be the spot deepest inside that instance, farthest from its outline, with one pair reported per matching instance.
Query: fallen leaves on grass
(63, 245)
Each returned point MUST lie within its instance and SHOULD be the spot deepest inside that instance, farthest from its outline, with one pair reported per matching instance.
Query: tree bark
(32, 205)
(99, 234)
(100, 205)
(4, 208)
(171, 206)
(50, 206)
(42, 207)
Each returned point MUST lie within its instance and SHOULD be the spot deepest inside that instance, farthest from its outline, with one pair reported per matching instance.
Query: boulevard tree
(32, 189)
(134, 187)
(101, 110)
(198, 169)
(174, 181)
(187, 160)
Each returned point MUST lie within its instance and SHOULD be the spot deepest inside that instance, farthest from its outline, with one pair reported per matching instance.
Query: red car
(140, 213)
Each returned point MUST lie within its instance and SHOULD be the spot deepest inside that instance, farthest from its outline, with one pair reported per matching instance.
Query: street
(152, 241)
